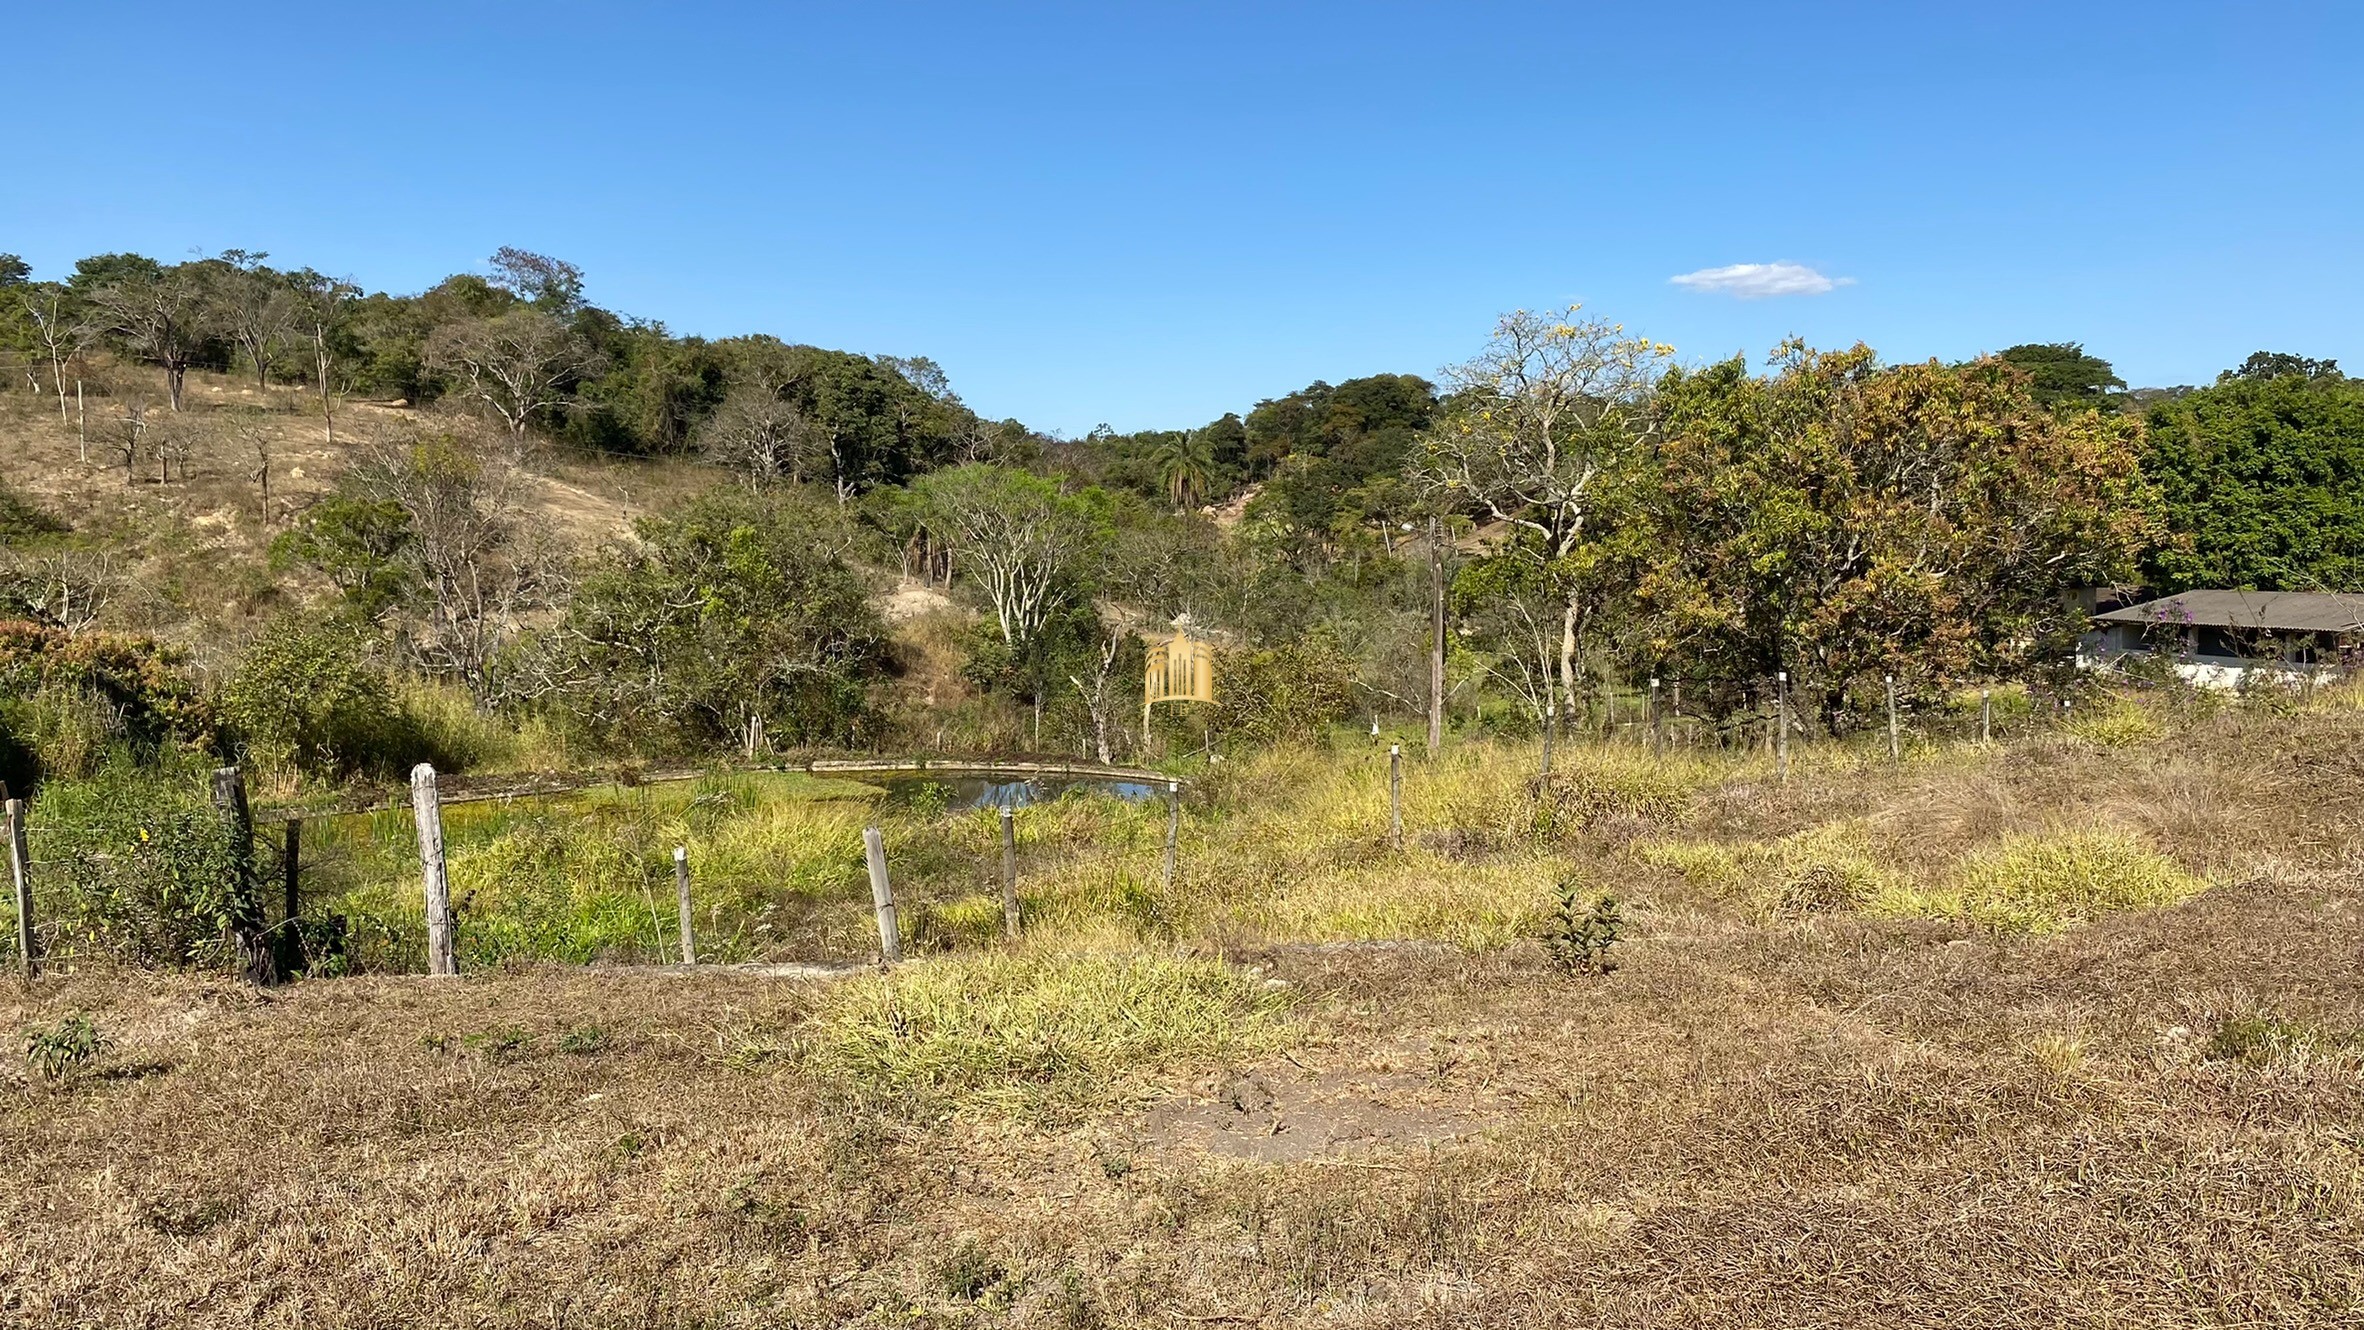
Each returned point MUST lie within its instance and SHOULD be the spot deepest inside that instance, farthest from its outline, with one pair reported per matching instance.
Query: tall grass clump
(1037, 1033)
(1826, 867)
(2116, 722)
(2043, 883)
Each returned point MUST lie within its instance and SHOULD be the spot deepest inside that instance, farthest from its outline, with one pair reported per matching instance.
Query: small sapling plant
(1583, 929)
(58, 1051)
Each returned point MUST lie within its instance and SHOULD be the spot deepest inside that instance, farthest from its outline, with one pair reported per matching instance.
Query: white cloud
(1755, 281)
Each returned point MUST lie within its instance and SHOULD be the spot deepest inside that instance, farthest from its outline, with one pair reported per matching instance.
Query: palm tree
(1186, 468)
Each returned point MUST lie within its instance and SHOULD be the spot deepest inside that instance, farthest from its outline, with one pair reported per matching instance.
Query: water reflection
(961, 793)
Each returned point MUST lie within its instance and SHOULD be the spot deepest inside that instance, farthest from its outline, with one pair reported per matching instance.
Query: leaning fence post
(20, 871)
(1395, 795)
(882, 895)
(1173, 828)
(689, 942)
(1009, 871)
(427, 808)
(246, 913)
(1895, 744)
(1781, 725)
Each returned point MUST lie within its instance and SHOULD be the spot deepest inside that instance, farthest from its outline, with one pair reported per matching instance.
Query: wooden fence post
(291, 869)
(1173, 828)
(1895, 742)
(689, 941)
(882, 895)
(1395, 795)
(20, 872)
(1781, 726)
(1657, 722)
(1009, 871)
(427, 809)
(255, 960)
(1986, 716)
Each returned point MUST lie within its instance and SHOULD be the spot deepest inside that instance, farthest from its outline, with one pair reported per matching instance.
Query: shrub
(305, 697)
(1292, 693)
(143, 866)
(70, 700)
(1034, 1032)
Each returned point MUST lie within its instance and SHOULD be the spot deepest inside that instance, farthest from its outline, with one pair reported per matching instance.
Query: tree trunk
(175, 375)
(1436, 646)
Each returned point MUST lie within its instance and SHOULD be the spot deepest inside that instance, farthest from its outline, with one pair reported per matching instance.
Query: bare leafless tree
(125, 435)
(62, 330)
(163, 315)
(321, 303)
(518, 364)
(253, 305)
(255, 438)
(67, 587)
(758, 434)
(480, 568)
(174, 442)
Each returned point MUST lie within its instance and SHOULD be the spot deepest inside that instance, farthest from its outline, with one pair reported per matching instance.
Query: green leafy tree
(2281, 364)
(359, 544)
(2261, 481)
(1841, 520)
(2062, 374)
(735, 605)
(1185, 468)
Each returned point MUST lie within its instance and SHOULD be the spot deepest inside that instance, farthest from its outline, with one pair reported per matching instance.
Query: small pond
(961, 793)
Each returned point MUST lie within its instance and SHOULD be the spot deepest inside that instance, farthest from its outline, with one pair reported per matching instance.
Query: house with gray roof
(2221, 639)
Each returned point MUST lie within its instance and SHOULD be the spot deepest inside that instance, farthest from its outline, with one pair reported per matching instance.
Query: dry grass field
(2061, 1032)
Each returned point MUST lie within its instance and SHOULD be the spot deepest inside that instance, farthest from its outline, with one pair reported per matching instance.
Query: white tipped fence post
(427, 808)
(20, 872)
(689, 940)
(1781, 726)
(1009, 871)
(1657, 724)
(1173, 828)
(1986, 716)
(1895, 741)
(882, 895)
(1395, 795)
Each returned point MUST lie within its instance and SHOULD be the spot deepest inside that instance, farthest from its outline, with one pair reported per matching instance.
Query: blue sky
(1147, 215)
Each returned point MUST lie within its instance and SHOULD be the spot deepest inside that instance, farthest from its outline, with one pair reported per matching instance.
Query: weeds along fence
(182, 872)
(177, 870)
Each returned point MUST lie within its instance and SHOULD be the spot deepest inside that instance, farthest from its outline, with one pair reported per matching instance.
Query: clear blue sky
(1147, 215)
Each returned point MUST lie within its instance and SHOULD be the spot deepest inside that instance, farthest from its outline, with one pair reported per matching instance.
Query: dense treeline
(1597, 514)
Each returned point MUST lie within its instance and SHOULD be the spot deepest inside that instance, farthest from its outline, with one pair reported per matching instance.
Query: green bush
(137, 866)
(1292, 693)
(71, 702)
(305, 697)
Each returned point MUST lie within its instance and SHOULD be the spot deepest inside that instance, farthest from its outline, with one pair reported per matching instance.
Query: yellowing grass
(1010, 1033)
(1826, 867)
(2039, 884)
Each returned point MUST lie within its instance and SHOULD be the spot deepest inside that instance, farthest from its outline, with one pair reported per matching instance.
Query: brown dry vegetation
(1777, 1111)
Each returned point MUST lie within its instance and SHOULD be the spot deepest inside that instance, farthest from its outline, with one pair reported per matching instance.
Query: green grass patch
(1038, 1033)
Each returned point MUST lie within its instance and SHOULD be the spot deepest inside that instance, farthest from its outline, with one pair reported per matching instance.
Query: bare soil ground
(1827, 1121)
